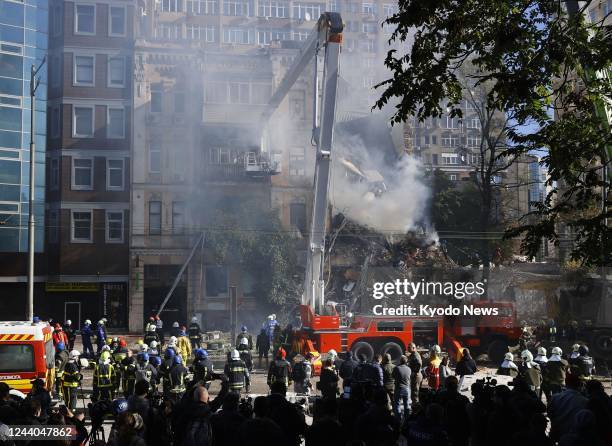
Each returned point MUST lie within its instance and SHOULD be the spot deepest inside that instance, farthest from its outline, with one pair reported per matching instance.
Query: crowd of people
(158, 394)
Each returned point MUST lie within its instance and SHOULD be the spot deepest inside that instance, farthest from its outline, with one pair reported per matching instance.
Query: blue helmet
(178, 360)
(170, 353)
(143, 356)
(60, 346)
(119, 405)
(36, 319)
(155, 361)
(243, 329)
(200, 353)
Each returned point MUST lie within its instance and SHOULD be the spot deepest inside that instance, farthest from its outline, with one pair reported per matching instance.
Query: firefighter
(151, 335)
(245, 353)
(150, 324)
(70, 334)
(263, 346)
(176, 329)
(177, 375)
(280, 369)
(237, 373)
(119, 354)
(164, 369)
(71, 377)
(61, 358)
(86, 334)
(328, 382)
(59, 336)
(270, 327)
(433, 368)
(128, 374)
(103, 378)
(153, 349)
(336, 361)
(144, 370)
(584, 366)
(301, 374)
(555, 373)
(195, 333)
(100, 336)
(508, 366)
(184, 345)
(159, 324)
(202, 367)
(530, 371)
(244, 334)
(574, 355)
(114, 344)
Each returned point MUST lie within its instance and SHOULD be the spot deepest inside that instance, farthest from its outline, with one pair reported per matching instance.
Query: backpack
(433, 377)
(198, 433)
(299, 372)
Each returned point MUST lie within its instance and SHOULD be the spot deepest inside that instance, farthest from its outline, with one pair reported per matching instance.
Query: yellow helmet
(109, 340)
(140, 342)
(105, 355)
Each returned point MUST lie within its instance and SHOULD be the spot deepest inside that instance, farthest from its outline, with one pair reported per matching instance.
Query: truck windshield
(16, 358)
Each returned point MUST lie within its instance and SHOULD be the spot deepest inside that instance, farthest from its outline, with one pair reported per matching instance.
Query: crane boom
(327, 34)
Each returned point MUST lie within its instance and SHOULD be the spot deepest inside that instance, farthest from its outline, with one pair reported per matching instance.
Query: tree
(538, 63)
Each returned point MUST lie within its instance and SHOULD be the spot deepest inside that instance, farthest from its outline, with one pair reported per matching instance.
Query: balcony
(247, 166)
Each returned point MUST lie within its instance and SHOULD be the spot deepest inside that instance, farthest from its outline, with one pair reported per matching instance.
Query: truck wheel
(394, 349)
(363, 348)
(497, 349)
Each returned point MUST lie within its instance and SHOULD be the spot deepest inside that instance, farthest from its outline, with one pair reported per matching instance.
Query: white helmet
(68, 322)
(172, 341)
(105, 348)
(144, 347)
(101, 322)
(152, 327)
(234, 354)
(194, 320)
(87, 322)
(153, 344)
(74, 354)
(509, 356)
(244, 341)
(332, 353)
(575, 347)
(271, 317)
(527, 355)
(175, 324)
(104, 320)
(84, 363)
(557, 351)
(541, 351)
(436, 349)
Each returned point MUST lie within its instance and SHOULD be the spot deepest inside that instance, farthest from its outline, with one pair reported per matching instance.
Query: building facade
(88, 160)
(23, 43)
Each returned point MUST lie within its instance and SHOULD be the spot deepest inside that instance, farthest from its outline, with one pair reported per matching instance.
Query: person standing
(103, 378)
(415, 363)
(302, 371)
(244, 334)
(585, 366)
(61, 358)
(237, 373)
(195, 333)
(151, 335)
(530, 371)
(59, 336)
(263, 346)
(70, 334)
(178, 373)
(402, 376)
(100, 336)
(328, 382)
(245, 353)
(554, 374)
(184, 345)
(71, 377)
(86, 334)
(388, 379)
(466, 366)
(508, 366)
(280, 370)
(433, 368)
(202, 367)
(159, 329)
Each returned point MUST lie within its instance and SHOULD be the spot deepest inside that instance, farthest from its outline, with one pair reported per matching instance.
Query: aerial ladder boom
(326, 35)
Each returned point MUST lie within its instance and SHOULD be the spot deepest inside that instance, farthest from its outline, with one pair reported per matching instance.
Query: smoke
(394, 202)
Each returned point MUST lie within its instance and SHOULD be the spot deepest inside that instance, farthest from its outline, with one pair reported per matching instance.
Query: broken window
(216, 281)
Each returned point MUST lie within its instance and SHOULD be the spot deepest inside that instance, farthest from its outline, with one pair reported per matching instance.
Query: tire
(364, 348)
(496, 350)
(394, 349)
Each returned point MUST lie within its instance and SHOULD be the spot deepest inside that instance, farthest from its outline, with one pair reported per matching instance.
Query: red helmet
(58, 327)
(156, 318)
(151, 318)
(282, 353)
(122, 343)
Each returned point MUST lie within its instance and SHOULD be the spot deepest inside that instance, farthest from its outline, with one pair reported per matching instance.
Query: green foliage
(538, 64)
(247, 234)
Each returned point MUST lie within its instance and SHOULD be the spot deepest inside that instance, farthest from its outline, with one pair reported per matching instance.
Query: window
(114, 227)
(450, 159)
(83, 70)
(82, 122)
(172, 5)
(453, 123)
(16, 358)
(115, 125)
(389, 9)
(85, 19)
(116, 71)
(216, 92)
(333, 6)
(81, 227)
(179, 102)
(236, 8)
(474, 159)
(266, 36)
(238, 35)
(473, 123)
(178, 217)
(367, 45)
(216, 281)
(452, 177)
(168, 31)
(154, 217)
(53, 226)
(369, 27)
(116, 21)
(155, 157)
(114, 174)
(296, 161)
(156, 98)
(54, 173)
(202, 7)
(434, 139)
(450, 141)
(82, 173)
(368, 8)
(238, 93)
(473, 141)
(219, 155)
(273, 8)
(202, 33)
(310, 11)
(297, 216)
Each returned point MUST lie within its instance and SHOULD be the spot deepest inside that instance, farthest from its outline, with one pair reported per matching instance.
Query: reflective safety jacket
(202, 368)
(120, 354)
(177, 378)
(71, 376)
(237, 374)
(183, 344)
(104, 375)
(194, 331)
(280, 370)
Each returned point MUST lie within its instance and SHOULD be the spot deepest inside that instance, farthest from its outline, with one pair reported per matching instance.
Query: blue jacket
(101, 334)
(86, 333)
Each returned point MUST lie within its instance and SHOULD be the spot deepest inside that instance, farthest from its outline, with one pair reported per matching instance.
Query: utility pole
(34, 82)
